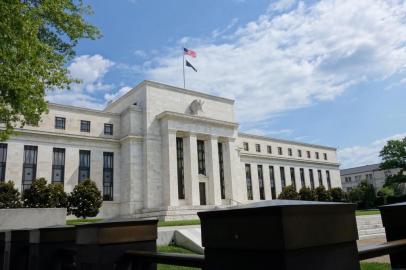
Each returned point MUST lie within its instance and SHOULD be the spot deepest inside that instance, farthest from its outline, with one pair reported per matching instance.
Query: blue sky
(326, 72)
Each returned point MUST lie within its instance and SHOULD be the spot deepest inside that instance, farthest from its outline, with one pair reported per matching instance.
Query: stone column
(169, 165)
(213, 171)
(267, 182)
(232, 170)
(191, 170)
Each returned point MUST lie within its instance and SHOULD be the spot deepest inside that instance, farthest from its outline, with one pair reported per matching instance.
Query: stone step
(371, 231)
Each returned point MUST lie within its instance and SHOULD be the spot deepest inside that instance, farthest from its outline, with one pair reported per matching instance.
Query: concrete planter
(31, 218)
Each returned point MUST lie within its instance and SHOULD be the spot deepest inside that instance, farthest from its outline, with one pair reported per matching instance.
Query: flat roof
(361, 169)
(261, 137)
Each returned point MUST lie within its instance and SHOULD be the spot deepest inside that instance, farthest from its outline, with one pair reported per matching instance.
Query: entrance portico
(199, 175)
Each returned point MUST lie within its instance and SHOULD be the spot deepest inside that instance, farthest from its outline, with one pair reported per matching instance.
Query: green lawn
(368, 212)
(195, 221)
(81, 221)
(179, 222)
(173, 249)
(375, 266)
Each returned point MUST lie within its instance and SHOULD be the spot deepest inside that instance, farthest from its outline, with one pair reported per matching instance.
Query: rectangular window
(58, 166)
(308, 154)
(60, 122)
(320, 177)
(328, 180)
(181, 170)
(201, 157)
(283, 178)
(258, 147)
(248, 181)
(29, 165)
(84, 165)
(299, 153)
(3, 160)
(108, 129)
(325, 156)
(108, 172)
(311, 178)
(246, 146)
(317, 155)
(272, 179)
(290, 151)
(221, 168)
(280, 151)
(269, 148)
(302, 177)
(261, 183)
(293, 177)
(84, 126)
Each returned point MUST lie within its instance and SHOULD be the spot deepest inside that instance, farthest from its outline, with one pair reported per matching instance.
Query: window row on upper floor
(60, 123)
(280, 150)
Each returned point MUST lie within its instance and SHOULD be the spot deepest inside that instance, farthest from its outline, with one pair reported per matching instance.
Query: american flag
(189, 52)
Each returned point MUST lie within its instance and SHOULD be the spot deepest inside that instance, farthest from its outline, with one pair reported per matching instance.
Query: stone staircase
(370, 226)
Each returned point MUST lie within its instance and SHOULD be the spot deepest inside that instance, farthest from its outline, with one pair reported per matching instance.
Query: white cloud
(91, 71)
(220, 32)
(116, 95)
(290, 60)
(364, 154)
(281, 5)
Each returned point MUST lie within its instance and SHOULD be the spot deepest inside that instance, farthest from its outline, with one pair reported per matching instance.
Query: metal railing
(144, 259)
(372, 251)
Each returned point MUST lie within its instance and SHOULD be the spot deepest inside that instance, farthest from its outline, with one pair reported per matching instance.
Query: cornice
(64, 136)
(180, 116)
(242, 135)
(87, 110)
(259, 156)
(187, 91)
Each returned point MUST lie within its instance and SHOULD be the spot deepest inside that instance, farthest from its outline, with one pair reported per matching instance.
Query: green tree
(393, 156)
(307, 194)
(9, 195)
(57, 196)
(363, 195)
(37, 196)
(337, 194)
(85, 199)
(322, 195)
(37, 41)
(289, 193)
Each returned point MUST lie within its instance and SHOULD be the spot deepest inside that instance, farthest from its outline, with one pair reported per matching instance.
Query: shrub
(396, 199)
(322, 195)
(37, 196)
(337, 194)
(363, 195)
(383, 194)
(307, 194)
(85, 199)
(57, 196)
(289, 193)
(9, 195)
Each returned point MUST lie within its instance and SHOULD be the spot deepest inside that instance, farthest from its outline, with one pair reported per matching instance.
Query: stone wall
(31, 218)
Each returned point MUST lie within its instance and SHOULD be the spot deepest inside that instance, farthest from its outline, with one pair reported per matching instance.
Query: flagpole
(183, 65)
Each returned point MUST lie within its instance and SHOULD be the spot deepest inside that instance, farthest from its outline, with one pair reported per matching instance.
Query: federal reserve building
(163, 151)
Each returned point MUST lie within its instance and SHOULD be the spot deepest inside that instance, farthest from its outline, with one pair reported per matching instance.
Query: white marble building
(165, 151)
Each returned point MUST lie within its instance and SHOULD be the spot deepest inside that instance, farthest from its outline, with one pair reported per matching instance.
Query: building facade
(372, 174)
(164, 151)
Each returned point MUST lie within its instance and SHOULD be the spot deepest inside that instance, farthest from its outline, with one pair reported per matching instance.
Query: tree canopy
(38, 38)
(393, 156)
